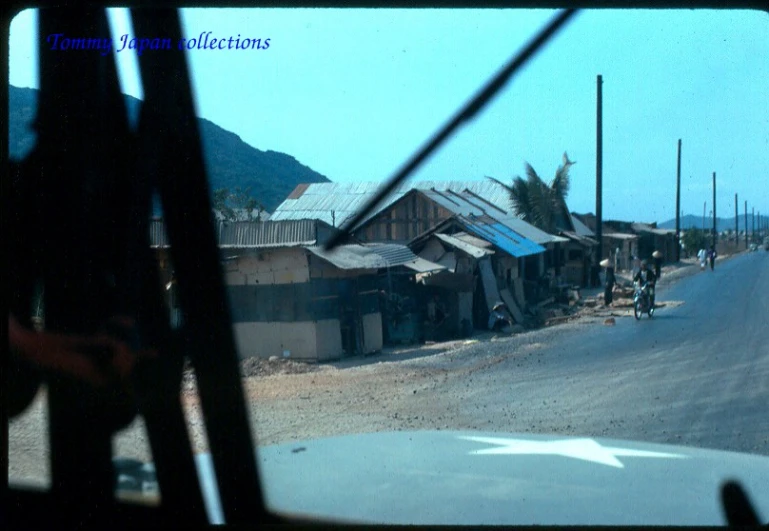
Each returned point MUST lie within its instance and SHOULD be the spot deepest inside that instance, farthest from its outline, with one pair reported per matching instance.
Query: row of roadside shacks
(429, 252)
(291, 298)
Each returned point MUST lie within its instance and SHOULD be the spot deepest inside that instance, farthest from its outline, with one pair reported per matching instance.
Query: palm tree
(537, 202)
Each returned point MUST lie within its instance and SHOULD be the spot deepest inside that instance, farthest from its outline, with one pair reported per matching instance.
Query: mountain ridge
(690, 221)
(230, 162)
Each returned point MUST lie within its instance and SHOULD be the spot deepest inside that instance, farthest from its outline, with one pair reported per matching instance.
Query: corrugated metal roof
(580, 228)
(420, 265)
(454, 203)
(502, 236)
(254, 235)
(345, 199)
(644, 227)
(318, 200)
(583, 240)
(469, 203)
(393, 253)
(472, 240)
(620, 236)
(374, 256)
(528, 231)
(472, 250)
(350, 257)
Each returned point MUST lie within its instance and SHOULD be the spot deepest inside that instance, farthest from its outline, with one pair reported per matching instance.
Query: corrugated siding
(158, 235)
(292, 233)
(254, 235)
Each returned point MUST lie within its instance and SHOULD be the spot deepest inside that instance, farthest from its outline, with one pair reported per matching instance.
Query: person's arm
(67, 354)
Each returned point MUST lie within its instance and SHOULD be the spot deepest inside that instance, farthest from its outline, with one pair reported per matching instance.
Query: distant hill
(722, 224)
(230, 161)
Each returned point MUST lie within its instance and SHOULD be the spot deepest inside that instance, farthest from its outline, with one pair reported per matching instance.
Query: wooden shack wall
(403, 221)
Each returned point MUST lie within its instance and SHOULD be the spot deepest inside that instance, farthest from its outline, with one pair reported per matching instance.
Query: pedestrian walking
(712, 257)
(609, 282)
(702, 257)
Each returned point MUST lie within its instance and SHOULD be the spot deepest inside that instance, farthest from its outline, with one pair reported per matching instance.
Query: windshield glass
(576, 276)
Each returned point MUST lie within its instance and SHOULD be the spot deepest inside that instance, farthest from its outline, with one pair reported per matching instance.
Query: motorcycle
(642, 301)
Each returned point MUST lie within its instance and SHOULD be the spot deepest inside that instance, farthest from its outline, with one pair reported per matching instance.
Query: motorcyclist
(646, 276)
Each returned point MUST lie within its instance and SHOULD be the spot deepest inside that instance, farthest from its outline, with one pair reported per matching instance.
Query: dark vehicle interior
(77, 213)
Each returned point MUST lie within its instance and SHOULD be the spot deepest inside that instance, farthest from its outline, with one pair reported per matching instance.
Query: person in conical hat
(610, 280)
(657, 263)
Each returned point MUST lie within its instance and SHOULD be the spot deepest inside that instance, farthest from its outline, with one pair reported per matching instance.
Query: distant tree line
(237, 204)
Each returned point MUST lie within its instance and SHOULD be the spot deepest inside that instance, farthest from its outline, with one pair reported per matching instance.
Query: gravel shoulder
(424, 387)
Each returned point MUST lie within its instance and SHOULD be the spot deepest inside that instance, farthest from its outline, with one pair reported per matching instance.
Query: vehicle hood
(482, 478)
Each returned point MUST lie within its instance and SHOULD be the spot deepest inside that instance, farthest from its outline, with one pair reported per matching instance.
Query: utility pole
(678, 204)
(753, 222)
(715, 234)
(736, 222)
(704, 207)
(746, 224)
(598, 175)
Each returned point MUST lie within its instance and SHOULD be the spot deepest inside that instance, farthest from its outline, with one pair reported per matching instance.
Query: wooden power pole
(678, 204)
(746, 224)
(598, 176)
(714, 210)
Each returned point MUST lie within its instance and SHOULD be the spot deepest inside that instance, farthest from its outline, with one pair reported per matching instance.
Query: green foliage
(696, 239)
(237, 204)
(537, 202)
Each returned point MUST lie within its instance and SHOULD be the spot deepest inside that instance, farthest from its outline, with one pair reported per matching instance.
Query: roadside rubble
(581, 306)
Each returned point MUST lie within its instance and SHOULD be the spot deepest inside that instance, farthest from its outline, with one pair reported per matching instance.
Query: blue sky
(353, 93)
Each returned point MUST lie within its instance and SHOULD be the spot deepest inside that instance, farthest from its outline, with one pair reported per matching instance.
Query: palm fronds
(535, 201)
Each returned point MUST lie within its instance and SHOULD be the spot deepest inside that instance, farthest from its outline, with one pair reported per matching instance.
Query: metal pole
(678, 204)
(599, 172)
(746, 224)
(715, 234)
(753, 223)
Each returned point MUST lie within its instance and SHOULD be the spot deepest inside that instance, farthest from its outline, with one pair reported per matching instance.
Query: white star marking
(585, 449)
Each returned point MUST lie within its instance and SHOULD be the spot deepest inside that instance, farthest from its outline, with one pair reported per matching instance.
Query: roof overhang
(466, 247)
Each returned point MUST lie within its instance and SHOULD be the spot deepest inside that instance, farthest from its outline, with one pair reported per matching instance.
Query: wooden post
(746, 224)
(715, 234)
(678, 204)
(599, 172)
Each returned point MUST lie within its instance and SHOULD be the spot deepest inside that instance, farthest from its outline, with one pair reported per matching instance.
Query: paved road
(696, 374)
